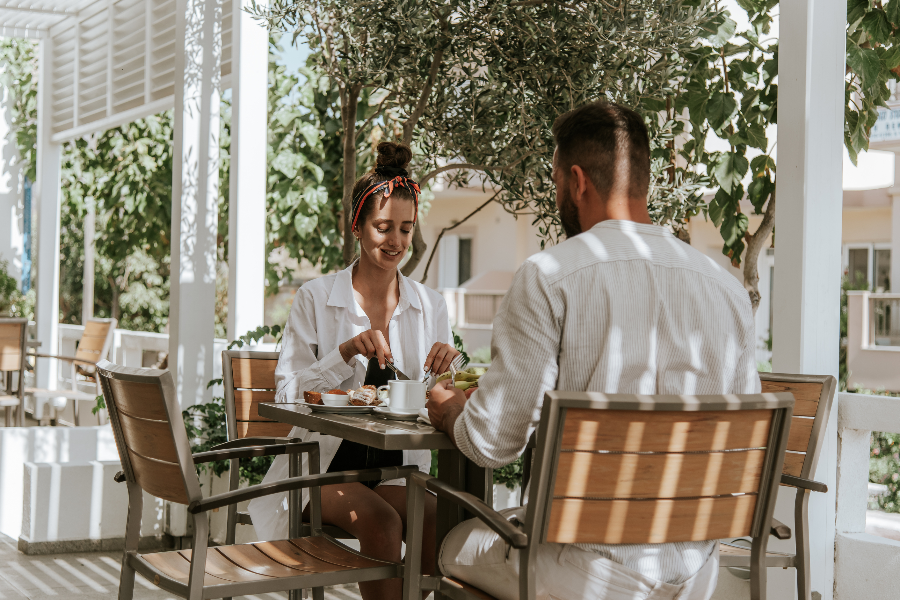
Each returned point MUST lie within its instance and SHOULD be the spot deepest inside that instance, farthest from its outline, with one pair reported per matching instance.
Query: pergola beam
(811, 67)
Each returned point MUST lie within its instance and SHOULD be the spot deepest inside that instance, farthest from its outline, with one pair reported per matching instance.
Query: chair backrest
(814, 395)
(96, 340)
(249, 378)
(13, 333)
(149, 430)
(626, 469)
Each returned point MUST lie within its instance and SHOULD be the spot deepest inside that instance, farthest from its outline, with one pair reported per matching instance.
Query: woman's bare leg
(395, 495)
(365, 515)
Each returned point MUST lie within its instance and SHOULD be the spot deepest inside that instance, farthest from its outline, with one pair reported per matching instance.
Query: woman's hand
(369, 343)
(440, 357)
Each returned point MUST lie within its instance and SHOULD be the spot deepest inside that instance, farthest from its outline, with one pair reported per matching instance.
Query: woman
(341, 330)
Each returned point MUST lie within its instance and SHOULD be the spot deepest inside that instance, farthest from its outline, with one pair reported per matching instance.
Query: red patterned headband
(399, 181)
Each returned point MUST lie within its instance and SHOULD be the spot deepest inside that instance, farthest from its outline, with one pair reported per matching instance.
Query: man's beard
(568, 214)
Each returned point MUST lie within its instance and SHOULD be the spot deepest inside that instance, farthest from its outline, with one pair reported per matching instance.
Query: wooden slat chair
(814, 395)
(96, 341)
(249, 378)
(13, 333)
(156, 458)
(625, 469)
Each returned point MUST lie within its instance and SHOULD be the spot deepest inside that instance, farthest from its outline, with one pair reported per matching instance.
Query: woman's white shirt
(324, 315)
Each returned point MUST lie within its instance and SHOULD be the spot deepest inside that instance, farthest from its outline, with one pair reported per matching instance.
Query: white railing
(133, 349)
(471, 309)
(865, 565)
(873, 340)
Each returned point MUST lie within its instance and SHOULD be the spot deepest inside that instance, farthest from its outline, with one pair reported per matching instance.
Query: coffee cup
(405, 397)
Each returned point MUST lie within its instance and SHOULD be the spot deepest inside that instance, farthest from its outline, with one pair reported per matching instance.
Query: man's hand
(447, 402)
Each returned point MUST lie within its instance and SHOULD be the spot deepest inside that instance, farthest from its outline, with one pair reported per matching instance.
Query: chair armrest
(119, 477)
(780, 530)
(71, 359)
(256, 441)
(805, 484)
(487, 515)
(296, 483)
(251, 451)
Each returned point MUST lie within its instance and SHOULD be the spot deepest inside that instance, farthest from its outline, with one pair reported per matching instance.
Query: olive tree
(475, 86)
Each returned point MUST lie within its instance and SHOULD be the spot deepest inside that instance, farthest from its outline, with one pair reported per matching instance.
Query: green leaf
(719, 30)
(288, 163)
(865, 63)
(730, 169)
(733, 228)
(759, 190)
(762, 162)
(305, 225)
(720, 202)
(876, 24)
(756, 136)
(892, 11)
(721, 108)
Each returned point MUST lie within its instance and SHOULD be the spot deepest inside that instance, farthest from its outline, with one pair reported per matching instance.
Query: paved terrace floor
(92, 576)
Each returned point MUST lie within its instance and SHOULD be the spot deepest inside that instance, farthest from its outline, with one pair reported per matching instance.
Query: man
(622, 306)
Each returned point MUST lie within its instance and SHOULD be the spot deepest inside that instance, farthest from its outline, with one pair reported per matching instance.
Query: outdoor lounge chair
(601, 456)
(96, 340)
(13, 333)
(249, 378)
(814, 395)
(156, 458)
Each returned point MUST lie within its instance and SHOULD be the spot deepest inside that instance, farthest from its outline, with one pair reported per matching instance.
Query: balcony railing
(884, 319)
(472, 310)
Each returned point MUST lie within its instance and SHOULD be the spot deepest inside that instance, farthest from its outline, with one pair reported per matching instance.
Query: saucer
(385, 412)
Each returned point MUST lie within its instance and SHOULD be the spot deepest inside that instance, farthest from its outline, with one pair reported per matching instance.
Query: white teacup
(406, 397)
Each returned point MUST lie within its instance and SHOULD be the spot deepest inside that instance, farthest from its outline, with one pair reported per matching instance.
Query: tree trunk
(418, 251)
(349, 102)
(755, 244)
(114, 305)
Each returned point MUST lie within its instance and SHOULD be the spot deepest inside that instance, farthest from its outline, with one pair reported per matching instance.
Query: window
(882, 269)
(868, 265)
(465, 260)
(858, 266)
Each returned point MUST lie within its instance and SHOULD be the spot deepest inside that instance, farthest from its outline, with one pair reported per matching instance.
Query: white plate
(387, 414)
(349, 409)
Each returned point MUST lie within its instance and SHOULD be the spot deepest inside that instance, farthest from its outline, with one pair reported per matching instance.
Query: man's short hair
(610, 142)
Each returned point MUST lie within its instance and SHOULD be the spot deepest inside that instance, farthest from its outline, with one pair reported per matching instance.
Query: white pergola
(106, 62)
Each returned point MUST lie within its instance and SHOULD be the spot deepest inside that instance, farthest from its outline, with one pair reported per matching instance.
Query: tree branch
(432, 174)
(454, 226)
(410, 123)
(375, 114)
(754, 247)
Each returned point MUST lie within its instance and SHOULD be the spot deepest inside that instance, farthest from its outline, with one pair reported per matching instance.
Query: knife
(400, 374)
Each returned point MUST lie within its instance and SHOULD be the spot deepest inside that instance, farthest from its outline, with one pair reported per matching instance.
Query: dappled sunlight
(657, 476)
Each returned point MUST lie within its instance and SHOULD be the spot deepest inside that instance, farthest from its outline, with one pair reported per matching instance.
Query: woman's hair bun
(393, 154)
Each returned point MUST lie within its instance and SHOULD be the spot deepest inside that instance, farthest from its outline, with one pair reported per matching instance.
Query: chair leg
(8, 421)
(132, 539)
(758, 569)
(198, 557)
(801, 541)
(415, 514)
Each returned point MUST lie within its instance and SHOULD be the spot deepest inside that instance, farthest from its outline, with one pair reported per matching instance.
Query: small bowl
(336, 399)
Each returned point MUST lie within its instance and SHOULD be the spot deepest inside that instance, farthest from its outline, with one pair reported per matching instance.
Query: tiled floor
(91, 576)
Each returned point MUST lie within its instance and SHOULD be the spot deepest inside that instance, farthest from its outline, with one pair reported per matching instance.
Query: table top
(371, 430)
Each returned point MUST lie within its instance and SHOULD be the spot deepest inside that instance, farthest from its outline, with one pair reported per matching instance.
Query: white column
(87, 282)
(195, 189)
(11, 242)
(247, 182)
(46, 197)
(895, 226)
(808, 226)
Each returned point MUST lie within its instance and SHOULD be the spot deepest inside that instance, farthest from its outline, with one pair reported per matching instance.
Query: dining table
(388, 434)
